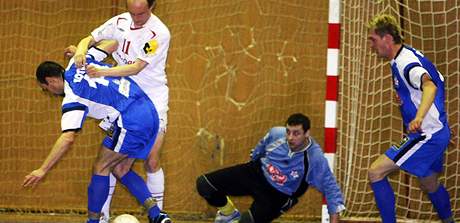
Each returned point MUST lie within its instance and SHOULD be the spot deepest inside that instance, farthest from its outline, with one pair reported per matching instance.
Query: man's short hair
(299, 119)
(386, 24)
(48, 69)
(150, 3)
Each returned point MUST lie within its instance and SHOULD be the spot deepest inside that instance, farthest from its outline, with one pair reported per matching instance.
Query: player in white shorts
(143, 42)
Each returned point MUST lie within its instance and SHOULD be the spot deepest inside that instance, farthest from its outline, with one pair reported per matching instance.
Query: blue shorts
(421, 154)
(134, 131)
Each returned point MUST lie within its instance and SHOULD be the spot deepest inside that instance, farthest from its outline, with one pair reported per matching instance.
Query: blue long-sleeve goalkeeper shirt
(285, 169)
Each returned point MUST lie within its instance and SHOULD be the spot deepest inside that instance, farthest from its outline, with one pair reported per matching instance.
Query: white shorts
(163, 116)
(159, 95)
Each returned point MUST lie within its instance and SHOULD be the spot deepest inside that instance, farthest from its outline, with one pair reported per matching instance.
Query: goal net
(369, 120)
(235, 69)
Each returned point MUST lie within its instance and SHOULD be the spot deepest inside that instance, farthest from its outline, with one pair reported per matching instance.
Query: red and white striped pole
(330, 119)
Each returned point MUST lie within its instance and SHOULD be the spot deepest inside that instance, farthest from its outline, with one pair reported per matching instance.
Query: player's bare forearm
(60, 147)
(84, 44)
(428, 95)
(82, 48)
(108, 46)
(117, 71)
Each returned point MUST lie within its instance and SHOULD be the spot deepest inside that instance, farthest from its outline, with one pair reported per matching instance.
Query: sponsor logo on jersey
(294, 174)
(396, 82)
(276, 175)
(125, 61)
(150, 47)
(401, 144)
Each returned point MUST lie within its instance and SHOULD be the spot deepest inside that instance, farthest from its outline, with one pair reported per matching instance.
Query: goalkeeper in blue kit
(130, 119)
(283, 165)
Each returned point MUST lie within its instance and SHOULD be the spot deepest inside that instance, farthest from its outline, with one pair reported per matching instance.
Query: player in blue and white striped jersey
(420, 92)
(131, 122)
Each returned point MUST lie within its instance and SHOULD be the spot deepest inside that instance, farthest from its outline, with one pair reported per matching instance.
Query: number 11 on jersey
(125, 47)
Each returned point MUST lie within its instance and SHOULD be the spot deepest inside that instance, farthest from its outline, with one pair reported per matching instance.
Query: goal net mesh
(369, 120)
(235, 69)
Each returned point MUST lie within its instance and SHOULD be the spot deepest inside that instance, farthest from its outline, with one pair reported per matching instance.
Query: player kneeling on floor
(283, 165)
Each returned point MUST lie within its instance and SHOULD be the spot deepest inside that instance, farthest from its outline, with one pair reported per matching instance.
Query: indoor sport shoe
(234, 217)
(161, 218)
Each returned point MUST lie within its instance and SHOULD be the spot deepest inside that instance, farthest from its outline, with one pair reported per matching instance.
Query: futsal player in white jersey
(143, 42)
(131, 136)
(420, 92)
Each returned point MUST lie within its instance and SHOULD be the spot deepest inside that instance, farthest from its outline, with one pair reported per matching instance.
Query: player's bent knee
(204, 188)
(375, 174)
(209, 193)
(429, 187)
(120, 170)
(101, 168)
(119, 173)
(152, 164)
(424, 188)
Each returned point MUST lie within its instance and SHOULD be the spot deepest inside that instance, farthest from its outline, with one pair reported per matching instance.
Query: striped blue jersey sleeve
(75, 111)
(408, 69)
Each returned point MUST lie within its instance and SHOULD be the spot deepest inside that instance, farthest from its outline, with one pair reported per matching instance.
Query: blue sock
(137, 187)
(441, 202)
(385, 199)
(98, 190)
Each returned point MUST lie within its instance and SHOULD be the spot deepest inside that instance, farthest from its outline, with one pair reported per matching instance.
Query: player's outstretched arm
(108, 46)
(82, 49)
(60, 147)
(117, 71)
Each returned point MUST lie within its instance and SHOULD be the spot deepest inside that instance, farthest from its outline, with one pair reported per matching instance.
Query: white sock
(156, 185)
(106, 207)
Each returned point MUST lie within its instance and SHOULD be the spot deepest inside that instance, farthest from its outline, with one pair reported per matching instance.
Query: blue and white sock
(156, 184)
(106, 208)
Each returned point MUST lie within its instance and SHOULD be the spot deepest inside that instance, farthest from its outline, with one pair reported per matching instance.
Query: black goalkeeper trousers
(248, 179)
